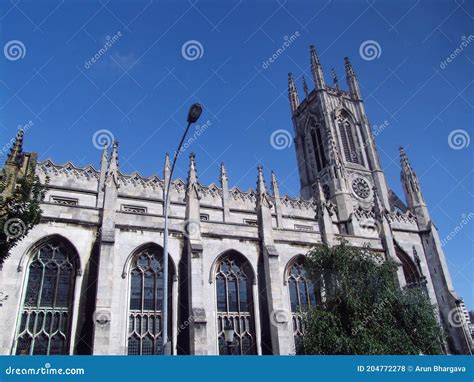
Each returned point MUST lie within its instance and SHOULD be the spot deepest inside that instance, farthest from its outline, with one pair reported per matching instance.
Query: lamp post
(229, 337)
(193, 115)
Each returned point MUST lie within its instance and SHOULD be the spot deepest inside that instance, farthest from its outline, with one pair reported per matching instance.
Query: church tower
(334, 143)
(339, 168)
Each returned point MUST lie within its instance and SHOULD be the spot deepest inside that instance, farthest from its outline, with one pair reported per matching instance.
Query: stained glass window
(47, 307)
(303, 294)
(146, 301)
(235, 304)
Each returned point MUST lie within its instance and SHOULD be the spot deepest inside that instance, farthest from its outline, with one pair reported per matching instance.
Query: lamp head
(194, 112)
(229, 334)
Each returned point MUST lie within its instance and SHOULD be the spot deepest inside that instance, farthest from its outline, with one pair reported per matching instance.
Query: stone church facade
(88, 279)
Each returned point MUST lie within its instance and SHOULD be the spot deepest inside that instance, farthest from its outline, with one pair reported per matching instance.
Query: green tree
(364, 311)
(19, 210)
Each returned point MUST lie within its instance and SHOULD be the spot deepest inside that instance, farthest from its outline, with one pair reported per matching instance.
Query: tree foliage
(364, 311)
(19, 211)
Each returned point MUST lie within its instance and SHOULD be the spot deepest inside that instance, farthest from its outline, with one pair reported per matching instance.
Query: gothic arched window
(146, 301)
(349, 139)
(410, 270)
(303, 294)
(234, 280)
(45, 318)
(317, 145)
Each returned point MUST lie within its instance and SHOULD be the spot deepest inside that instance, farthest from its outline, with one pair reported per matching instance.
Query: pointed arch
(303, 294)
(144, 267)
(314, 141)
(410, 269)
(45, 318)
(234, 278)
(347, 132)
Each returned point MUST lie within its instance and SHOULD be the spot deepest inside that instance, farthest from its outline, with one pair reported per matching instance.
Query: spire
(335, 79)
(17, 148)
(276, 196)
(112, 173)
(262, 197)
(103, 159)
(320, 199)
(225, 193)
(351, 79)
(102, 177)
(317, 69)
(167, 168)
(192, 176)
(223, 175)
(410, 182)
(275, 189)
(261, 189)
(305, 88)
(292, 93)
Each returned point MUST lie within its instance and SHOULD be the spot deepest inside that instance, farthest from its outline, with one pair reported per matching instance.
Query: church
(88, 279)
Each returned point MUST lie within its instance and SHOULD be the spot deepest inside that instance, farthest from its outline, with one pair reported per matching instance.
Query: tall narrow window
(303, 294)
(317, 146)
(348, 139)
(235, 304)
(45, 319)
(146, 301)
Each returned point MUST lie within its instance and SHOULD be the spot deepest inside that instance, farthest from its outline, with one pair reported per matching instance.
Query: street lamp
(229, 337)
(193, 115)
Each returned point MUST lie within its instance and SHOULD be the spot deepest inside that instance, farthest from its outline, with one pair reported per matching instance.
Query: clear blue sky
(141, 87)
